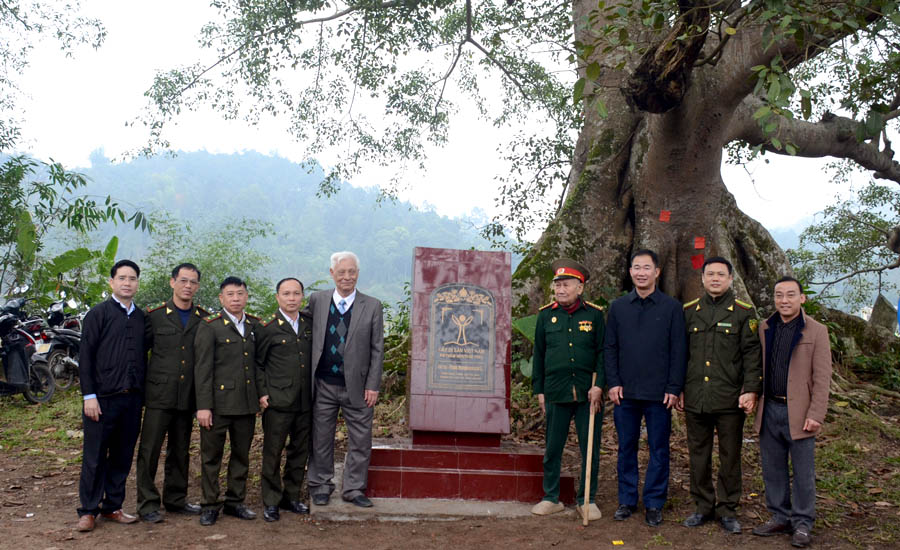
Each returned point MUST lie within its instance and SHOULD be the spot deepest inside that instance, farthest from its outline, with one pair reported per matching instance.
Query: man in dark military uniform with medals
(169, 397)
(227, 402)
(283, 382)
(724, 377)
(568, 352)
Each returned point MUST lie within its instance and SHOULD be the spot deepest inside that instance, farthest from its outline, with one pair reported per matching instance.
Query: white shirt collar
(130, 309)
(238, 324)
(295, 323)
(347, 300)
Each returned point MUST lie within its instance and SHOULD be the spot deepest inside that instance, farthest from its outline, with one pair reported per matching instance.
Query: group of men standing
(709, 358)
(299, 367)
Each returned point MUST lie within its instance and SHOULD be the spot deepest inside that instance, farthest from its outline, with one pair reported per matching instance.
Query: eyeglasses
(186, 282)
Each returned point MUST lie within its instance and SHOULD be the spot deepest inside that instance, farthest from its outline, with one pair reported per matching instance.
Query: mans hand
(680, 405)
(811, 426)
(204, 418)
(371, 397)
(615, 394)
(92, 409)
(264, 402)
(670, 400)
(595, 395)
(540, 397)
(747, 401)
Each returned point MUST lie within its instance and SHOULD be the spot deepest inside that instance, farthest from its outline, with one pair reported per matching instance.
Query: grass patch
(30, 429)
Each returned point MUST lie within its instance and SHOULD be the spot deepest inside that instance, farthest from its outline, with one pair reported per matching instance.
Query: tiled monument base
(505, 473)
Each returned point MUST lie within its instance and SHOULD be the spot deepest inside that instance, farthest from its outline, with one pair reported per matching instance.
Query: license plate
(42, 348)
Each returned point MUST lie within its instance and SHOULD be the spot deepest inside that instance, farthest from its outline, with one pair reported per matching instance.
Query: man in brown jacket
(796, 378)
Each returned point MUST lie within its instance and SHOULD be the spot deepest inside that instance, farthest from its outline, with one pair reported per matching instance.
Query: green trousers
(160, 424)
(239, 430)
(279, 426)
(729, 427)
(559, 418)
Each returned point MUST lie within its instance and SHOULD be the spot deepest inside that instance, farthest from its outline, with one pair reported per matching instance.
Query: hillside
(211, 189)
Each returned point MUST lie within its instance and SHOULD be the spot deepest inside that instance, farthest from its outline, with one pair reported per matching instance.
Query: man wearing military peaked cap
(568, 352)
(564, 268)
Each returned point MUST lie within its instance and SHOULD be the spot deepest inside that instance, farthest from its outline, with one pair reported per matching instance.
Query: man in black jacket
(112, 365)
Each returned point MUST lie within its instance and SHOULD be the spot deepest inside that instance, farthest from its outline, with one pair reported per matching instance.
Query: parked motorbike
(61, 355)
(59, 350)
(33, 380)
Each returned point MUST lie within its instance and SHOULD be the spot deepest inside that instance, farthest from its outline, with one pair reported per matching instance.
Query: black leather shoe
(801, 538)
(321, 499)
(623, 512)
(294, 506)
(772, 527)
(188, 509)
(270, 513)
(696, 520)
(731, 525)
(240, 511)
(152, 517)
(362, 501)
(653, 517)
(209, 517)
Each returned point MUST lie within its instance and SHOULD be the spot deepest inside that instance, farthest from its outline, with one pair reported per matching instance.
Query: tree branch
(893, 265)
(834, 136)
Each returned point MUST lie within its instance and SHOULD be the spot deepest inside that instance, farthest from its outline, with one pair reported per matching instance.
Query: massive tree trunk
(633, 165)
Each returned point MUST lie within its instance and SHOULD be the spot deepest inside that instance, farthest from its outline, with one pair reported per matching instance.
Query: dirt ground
(39, 495)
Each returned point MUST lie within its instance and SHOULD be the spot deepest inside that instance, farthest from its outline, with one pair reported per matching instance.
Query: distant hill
(210, 188)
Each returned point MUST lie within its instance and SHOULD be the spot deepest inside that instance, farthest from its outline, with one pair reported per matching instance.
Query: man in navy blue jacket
(645, 356)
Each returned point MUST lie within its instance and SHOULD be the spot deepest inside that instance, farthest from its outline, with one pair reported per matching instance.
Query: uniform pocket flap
(722, 329)
(227, 339)
(227, 385)
(281, 383)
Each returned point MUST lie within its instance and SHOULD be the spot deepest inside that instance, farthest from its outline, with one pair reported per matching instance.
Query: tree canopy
(646, 86)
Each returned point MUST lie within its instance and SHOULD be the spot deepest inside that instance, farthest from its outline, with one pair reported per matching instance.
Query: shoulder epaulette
(212, 318)
(269, 321)
(743, 305)
(253, 318)
(692, 302)
(200, 312)
(305, 314)
(160, 306)
(593, 305)
(546, 306)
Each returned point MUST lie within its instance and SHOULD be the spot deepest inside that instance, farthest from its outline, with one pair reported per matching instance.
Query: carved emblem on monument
(461, 343)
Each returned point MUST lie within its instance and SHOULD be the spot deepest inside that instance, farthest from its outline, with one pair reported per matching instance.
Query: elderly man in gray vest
(347, 357)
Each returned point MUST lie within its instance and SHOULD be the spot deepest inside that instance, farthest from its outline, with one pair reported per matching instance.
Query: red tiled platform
(505, 473)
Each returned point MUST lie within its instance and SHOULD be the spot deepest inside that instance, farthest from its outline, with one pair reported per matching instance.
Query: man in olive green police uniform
(227, 402)
(568, 352)
(724, 376)
(169, 397)
(283, 382)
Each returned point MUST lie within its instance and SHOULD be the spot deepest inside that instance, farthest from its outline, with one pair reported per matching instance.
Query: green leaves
(26, 238)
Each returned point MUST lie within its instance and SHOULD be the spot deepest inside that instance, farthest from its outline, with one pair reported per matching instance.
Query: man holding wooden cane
(567, 379)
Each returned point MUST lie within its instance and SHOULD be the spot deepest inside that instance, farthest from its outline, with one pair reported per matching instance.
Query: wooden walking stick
(585, 511)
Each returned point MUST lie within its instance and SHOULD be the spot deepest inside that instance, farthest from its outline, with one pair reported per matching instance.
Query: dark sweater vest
(331, 364)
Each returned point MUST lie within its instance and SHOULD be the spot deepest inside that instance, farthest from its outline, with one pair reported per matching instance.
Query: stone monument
(459, 389)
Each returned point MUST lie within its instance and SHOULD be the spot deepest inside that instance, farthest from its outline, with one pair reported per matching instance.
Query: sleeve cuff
(90, 396)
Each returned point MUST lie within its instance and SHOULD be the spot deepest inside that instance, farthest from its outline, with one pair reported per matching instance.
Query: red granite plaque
(459, 390)
(460, 350)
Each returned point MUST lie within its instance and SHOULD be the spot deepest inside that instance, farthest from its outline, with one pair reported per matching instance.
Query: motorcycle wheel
(40, 384)
(63, 374)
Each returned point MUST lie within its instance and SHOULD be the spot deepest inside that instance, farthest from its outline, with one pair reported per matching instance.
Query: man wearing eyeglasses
(170, 401)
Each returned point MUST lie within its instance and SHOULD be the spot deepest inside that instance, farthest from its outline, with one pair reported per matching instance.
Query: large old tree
(656, 92)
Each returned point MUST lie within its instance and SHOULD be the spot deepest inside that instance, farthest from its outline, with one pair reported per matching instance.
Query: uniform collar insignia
(168, 311)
